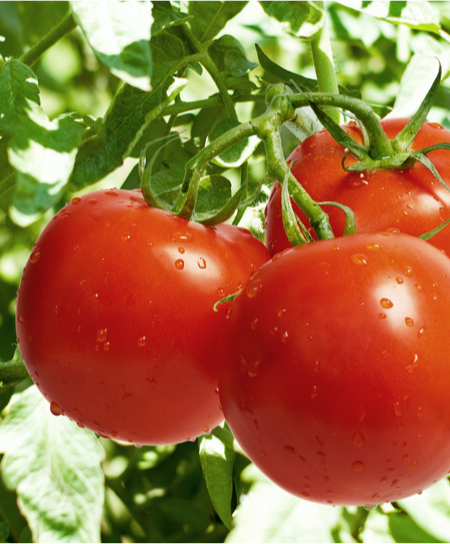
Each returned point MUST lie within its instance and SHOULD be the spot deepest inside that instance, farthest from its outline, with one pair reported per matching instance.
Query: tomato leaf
(237, 153)
(217, 458)
(165, 16)
(131, 112)
(300, 19)
(269, 514)
(54, 467)
(229, 56)
(14, 371)
(209, 18)
(418, 15)
(38, 19)
(119, 34)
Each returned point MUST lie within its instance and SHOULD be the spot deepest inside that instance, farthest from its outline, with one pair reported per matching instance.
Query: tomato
(411, 200)
(115, 316)
(336, 384)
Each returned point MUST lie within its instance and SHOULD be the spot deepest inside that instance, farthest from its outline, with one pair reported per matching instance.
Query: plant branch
(64, 28)
(212, 102)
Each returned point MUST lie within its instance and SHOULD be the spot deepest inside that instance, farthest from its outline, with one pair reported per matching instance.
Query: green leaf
(168, 54)
(213, 193)
(13, 372)
(18, 87)
(55, 469)
(129, 115)
(229, 56)
(39, 18)
(166, 17)
(217, 458)
(237, 153)
(418, 15)
(300, 19)
(270, 514)
(209, 18)
(119, 34)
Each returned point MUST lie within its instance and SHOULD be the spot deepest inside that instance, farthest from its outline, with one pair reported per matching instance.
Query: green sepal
(339, 134)
(14, 371)
(419, 156)
(228, 298)
(220, 216)
(405, 138)
(290, 220)
(431, 233)
(350, 221)
(145, 173)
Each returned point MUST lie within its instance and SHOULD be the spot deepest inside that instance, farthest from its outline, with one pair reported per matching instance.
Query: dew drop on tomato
(179, 264)
(357, 466)
(359, 259)
(408, 271)
(142, 341)
(55, 409)
(254, 288)
(358, 439)
(386, 303)
(35, 256)
(201, 263)
(409, 322)
(102, 335)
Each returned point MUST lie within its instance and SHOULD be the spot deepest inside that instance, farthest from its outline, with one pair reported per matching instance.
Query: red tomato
(115, 316)
(338, 374)
(411, 200)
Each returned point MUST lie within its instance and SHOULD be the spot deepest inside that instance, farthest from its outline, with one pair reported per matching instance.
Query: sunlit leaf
(300, 19)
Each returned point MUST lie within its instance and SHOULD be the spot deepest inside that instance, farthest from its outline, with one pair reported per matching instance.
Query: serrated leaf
(168, 52)
(229, 56)
(166, 17)
(213, 193)
(238, 153)
(129, 115)
(419, 15)
(18, 86)
(299, 19)
(217, 458)
(55, 469)
(209, 18)
(269, 514)
(119, 34)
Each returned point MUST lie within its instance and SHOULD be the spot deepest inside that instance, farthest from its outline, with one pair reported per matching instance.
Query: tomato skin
(412, 200)
(337, 380)
(115, 316)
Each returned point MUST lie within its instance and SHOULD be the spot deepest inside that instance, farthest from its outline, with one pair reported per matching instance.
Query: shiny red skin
(338, 395)
(412, 201)
(115, 317)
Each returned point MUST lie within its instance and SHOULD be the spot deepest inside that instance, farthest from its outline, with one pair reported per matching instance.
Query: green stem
(213, 102)
(210, 67)
(380, 146)
(64, 28)
(324, 63)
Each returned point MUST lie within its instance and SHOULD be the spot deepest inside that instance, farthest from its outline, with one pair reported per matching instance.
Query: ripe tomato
(411, 200)
(115, 316)
(338, 375)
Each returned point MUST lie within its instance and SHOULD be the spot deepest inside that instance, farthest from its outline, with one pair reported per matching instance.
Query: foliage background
(159, 494)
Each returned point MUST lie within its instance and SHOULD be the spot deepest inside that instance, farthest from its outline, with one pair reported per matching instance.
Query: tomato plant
(409, 199)
(115, 316)
(337, 381)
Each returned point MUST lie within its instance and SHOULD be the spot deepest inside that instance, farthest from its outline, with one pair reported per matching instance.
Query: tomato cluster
(330, 365)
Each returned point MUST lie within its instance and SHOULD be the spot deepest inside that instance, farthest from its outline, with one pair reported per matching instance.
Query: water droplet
(358, 439)
(126, 237)
(304, 494)
(111, 193)
(382, 316)
(410, 368)
(284, 337)
(254, 323)
(180, 237)
(220, 292)
(418, 287)
(142, 340)
(357, 466)
(64, 215)
(92, 201)
(201, 263)
(334, 248)
(55, 409)
(253, 369)
(34, 257)
(399, 280)
(436, 125)
(314, 392)
(21, 319)
(400, 426)
(373, 247)
(80, 424)
(206, 429)
(383, 479)
(75, 200)
(419, 412)
(106, 346)
(256, 424)
(408, 271)
(179, 263)
(102, 335)
(397, 409)
(405, 458)
(254, 288)
(409, 322)
(359, 259)
(127, 397)
(386, 303)
(371, 507)
(289, 449)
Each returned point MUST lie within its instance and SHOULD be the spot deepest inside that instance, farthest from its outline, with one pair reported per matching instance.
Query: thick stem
(324, 64)
(64, 28)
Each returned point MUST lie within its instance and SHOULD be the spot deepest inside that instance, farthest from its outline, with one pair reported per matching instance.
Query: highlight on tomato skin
(337, 378)
(411, 200)
(115, 316)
